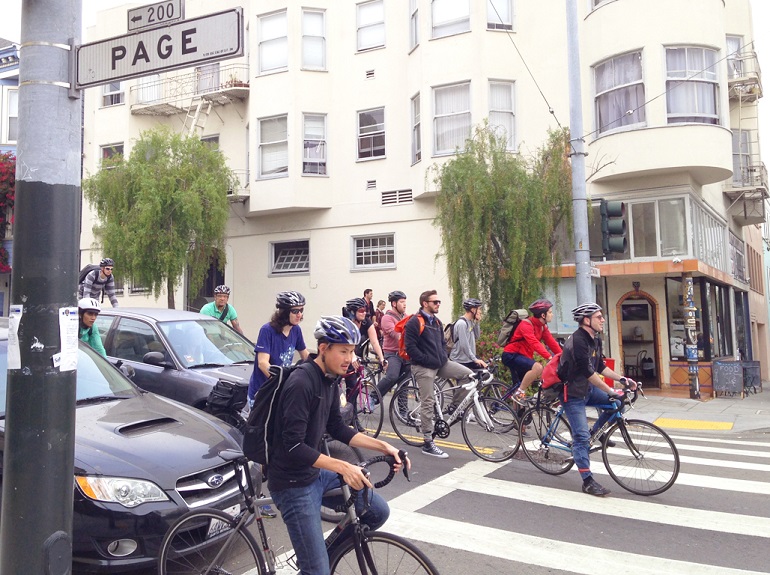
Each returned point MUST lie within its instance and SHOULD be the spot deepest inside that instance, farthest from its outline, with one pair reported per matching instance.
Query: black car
(178, 354)
(141, 461)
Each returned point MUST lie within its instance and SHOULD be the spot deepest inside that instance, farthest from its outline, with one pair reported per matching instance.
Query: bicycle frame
(616, 416)
(472, 397)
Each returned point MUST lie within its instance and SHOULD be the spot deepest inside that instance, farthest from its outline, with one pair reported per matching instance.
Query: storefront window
(719, 320)
(676, 327)
(744, 343)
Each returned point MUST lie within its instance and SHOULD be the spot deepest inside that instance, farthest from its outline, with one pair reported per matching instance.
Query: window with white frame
(371, 133)
(737, 256)
(658, 228)
(501, 117)
(741, 158)
(273, 42)
(314, 144)
(290, 257)
(416, 137)
(708, 237)
(619, 89)
(313, 40)
(450, 17)
(451, 117)
(414, 25)
(11, 115)
(370, 25)
(273, 147)
(208, 78)
(372, 252)
(110, 153)
(692, 87)
(499, 14)
(734, 61)
(112, 94)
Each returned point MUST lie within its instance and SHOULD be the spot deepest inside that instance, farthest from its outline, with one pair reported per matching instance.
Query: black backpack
(85, 271)
(260, 425)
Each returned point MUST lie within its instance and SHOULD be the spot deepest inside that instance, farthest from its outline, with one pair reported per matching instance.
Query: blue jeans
(300, 509)
(396, 367)
(575, 410)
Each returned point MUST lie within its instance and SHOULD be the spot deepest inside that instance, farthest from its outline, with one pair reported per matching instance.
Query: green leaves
(497, 213)
(162, 211)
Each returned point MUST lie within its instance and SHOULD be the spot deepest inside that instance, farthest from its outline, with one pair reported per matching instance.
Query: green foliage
(497, 213)
(163, 210)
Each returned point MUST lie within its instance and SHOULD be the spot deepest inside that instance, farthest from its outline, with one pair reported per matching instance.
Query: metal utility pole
(578, 155)
(40, 412)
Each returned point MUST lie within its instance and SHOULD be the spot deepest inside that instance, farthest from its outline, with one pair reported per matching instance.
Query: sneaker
(430, 448)
(600, 439)
(591, 487)
(267, 512)
(450, 410)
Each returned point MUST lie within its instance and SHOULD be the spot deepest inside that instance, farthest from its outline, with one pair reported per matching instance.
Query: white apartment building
(339, 109)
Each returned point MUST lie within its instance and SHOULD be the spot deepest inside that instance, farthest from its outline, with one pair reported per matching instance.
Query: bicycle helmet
(353, 305)
(286, 299)
(336, 329)
(396, 295)
(106, 262)
(585, 310)
(89, 304)
(540, 306)
(470, 303)
(222, 289)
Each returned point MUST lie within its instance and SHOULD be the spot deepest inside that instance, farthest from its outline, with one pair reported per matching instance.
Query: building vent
(371, 184)
(396, 197)
(370, 74)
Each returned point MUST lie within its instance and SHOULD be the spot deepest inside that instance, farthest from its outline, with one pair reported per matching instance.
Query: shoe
(430, 448)
(450, 410)
(267, 512)
(593, 488)
(600, 439)
(360, 428)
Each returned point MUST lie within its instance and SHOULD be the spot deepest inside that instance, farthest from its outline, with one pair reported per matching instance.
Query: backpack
(260, 426)
(550, 375)
(510, 323)
(85, 271)
(449, 334)
(399, 327)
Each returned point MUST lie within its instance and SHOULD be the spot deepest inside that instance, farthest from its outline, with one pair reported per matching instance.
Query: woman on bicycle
(88, 310)
(526, 339)
(580, 368)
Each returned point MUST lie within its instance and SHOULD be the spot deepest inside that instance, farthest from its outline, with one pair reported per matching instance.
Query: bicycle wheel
(368, 408)
(405, 415)
(207, 542)
(644, 459)
(383, 553)
(491, 430)
(548, 440)
(339, 450)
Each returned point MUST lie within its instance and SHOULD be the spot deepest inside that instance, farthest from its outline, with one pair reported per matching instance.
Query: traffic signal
(613, 226)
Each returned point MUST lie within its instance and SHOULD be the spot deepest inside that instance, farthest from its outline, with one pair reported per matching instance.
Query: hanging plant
(7, 198)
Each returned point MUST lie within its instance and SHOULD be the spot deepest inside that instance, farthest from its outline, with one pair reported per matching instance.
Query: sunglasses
(436, 301)
(361, 310)
(297, 311)
(108, 269)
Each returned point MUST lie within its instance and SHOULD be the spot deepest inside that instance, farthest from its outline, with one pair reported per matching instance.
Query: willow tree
(501, 217)
(163, 211)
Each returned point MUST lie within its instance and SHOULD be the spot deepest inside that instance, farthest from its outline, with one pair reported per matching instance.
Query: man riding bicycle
(580, 368)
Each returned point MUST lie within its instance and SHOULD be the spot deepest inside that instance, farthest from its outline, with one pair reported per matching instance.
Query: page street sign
(182, 45)
(154, 15)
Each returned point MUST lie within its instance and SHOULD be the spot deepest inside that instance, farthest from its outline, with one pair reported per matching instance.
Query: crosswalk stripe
(745, 443)
(544, 552)
(683, 446)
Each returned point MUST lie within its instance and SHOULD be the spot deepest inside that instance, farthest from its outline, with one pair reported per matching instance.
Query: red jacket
(527, 338)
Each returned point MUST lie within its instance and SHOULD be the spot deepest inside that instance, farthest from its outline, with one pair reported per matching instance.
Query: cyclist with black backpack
(465, 332)
(99, 282)
(220, 309)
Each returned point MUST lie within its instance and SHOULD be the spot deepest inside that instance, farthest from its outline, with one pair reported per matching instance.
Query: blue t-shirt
(281, 349)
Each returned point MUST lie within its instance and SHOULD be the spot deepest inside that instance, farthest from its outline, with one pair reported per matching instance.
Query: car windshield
(206, 342)
(96, 377)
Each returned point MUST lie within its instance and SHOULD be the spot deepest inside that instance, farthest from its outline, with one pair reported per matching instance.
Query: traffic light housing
(613, 226)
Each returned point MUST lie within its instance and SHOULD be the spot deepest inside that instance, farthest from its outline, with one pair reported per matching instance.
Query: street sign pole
(38, 461)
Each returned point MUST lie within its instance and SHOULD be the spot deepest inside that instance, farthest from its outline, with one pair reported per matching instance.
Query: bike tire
(491, 431)
(404, 413)
(231, 417)
(188, 550)
(384, 553)
(369, 409)
(348, 453)
(548, 439)
(644, 460)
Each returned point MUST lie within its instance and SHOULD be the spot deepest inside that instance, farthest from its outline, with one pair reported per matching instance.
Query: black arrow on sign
(136, 18)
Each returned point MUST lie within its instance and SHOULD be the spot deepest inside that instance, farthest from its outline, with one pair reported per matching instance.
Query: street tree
(162, 211)
(501, 217)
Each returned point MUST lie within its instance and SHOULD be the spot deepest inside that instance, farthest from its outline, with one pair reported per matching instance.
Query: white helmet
(89, 304)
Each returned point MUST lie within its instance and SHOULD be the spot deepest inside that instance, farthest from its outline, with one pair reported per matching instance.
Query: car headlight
(128, 492)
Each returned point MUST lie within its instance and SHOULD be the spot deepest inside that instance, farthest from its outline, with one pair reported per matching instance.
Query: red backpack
(400, 327)
(549, 376)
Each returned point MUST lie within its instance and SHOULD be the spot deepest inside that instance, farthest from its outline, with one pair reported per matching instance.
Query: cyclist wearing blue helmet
(298, 474)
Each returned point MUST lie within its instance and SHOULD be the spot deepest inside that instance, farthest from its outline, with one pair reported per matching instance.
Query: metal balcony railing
(240, 190)
(744, 77)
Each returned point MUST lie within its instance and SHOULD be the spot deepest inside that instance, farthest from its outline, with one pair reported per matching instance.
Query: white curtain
(619, 88)
(273, 46)
(313, 41)
(371, 25)
(452, 124)
(693, 100)
(274, 149)
(501, 110)
(673, 228)
(450, 17)
(499, 12)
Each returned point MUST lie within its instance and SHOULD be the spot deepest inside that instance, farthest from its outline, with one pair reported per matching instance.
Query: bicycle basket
(227, 395)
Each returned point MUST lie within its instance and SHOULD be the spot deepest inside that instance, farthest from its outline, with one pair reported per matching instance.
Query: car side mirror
(155, 358)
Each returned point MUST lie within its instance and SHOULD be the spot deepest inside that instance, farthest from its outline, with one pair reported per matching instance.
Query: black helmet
(585, 310)
(540, 306)
(106, 262)
(356, 303)
(396, 295)
(470, 303)
(222, 289)
(287, 299)
(336, 329)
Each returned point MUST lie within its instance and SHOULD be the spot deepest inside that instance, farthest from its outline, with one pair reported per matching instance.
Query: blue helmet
(336, 329)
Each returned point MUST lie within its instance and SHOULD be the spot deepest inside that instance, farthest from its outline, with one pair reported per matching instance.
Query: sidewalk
(752, 413)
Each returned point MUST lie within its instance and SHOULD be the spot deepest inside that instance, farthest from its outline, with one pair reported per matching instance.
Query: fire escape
(748, 189)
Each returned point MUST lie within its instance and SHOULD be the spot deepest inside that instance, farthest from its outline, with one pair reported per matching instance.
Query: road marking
(742, 442)
(692, 424)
